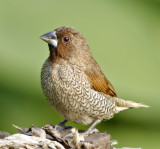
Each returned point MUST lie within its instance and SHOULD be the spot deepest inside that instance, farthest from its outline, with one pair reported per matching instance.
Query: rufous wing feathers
(98, 80)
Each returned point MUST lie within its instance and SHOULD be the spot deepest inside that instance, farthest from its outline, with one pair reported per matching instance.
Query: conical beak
(50, 38)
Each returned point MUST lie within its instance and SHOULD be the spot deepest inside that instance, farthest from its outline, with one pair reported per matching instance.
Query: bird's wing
(97, 79)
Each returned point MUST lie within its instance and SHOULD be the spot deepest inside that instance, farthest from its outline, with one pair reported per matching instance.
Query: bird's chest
(65, 87)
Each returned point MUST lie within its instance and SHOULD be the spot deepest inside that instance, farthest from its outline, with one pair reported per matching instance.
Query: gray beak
(50, 38)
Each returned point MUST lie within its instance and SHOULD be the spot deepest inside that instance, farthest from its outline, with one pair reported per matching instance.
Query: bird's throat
(53, 52)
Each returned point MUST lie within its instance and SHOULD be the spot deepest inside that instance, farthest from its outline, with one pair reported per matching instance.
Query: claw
(88, 132)
(61, 125)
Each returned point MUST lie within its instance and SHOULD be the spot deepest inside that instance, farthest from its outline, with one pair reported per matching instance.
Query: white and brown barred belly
(68, 90)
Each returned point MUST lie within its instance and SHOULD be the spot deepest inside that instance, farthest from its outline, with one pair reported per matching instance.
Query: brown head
(67, 43)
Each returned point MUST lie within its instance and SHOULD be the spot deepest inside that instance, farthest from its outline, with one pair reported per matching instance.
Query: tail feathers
(123, 105)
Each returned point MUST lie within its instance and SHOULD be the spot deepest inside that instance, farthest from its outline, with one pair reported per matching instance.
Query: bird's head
(67, 43)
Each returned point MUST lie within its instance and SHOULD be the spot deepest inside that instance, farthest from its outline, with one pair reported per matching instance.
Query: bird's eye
(66, 39)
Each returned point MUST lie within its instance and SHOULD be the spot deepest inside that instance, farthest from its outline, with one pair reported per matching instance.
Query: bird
(74, 84)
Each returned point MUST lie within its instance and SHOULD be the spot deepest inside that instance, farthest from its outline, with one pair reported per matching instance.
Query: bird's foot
(61, 125)
(90, 131)
(85, 134)
(71, 135)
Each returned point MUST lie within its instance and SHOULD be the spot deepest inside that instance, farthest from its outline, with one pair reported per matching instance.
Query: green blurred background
(124, 37)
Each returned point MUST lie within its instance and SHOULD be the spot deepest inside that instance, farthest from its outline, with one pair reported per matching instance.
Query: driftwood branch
(49, 137)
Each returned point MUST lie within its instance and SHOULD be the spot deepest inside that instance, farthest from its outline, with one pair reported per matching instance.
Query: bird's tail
(123, 105)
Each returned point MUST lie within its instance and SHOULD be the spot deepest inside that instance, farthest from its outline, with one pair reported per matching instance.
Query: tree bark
(50, 137)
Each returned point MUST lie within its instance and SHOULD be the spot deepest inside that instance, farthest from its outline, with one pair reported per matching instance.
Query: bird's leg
(88, 132)
(61, 125)
(91, 129)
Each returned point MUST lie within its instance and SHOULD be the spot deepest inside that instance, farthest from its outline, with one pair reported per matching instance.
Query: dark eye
(66, 39)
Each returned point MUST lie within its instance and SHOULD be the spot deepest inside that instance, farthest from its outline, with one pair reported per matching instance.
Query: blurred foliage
(124, 37)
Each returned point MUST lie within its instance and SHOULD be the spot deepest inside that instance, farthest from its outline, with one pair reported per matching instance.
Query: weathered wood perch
(48, 137)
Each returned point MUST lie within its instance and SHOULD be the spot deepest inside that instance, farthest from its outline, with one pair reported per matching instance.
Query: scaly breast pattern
(68, 90)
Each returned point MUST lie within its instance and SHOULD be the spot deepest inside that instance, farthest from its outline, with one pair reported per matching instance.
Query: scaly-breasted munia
(74, 83)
